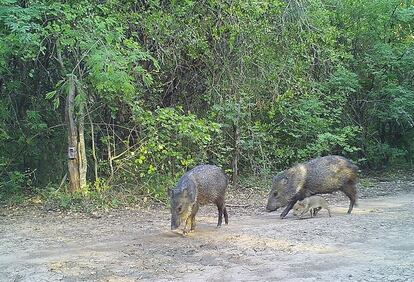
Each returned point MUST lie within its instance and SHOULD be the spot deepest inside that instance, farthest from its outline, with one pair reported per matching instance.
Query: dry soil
(374, 243)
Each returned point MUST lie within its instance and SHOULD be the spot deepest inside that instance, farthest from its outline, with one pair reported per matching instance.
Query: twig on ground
(237, 206)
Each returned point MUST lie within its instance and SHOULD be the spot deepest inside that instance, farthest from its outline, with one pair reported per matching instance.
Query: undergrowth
(102, 196)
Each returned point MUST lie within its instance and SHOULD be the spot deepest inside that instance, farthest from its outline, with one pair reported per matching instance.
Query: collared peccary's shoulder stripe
(301, 172)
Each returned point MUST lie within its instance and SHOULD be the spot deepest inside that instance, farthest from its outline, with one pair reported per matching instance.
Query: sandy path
(375, 243)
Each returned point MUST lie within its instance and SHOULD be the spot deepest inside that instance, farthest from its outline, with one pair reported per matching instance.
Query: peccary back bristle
(210, 183)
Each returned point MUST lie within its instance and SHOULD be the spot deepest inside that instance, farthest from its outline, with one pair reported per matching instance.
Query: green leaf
(50, 94)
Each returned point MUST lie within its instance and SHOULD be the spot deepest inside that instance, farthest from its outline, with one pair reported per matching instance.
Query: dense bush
(164, 85)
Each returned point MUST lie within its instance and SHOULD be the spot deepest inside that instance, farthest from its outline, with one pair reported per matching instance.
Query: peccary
(312, 204)
(202, 185)
(322, 175)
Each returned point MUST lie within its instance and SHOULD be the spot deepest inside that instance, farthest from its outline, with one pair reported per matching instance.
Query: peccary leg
(226, 216)
(188, 223)
(305, 211)
(220, 216)
(329, 211)
(316, 210)
(193, 214)
(350, 191)
(220, 207)
(299, 196)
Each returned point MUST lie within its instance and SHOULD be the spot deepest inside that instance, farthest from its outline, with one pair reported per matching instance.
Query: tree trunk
(235, 177)
(73, 157)
(77, 163)
(236, 154)
(83, 164)
(110, 159)
(95, 159)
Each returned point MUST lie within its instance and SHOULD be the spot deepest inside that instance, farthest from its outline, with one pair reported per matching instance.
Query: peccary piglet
(312, 204)
(322, 175)
(202, 185)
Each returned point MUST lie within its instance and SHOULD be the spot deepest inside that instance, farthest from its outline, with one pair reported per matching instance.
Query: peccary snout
(276, 200)
(175, 221)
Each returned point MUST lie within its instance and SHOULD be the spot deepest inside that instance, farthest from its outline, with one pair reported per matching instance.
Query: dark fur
(322, 175)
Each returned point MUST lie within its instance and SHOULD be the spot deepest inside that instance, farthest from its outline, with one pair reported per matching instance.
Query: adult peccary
(202, 185)
(322, 175)
(311, 204)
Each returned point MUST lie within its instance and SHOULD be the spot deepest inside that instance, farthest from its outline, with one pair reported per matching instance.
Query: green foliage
(15, 186)
(171, 141)
(165, 85)
(86, 200)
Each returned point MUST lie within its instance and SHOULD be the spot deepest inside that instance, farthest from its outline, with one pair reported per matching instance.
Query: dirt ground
(374, 243)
